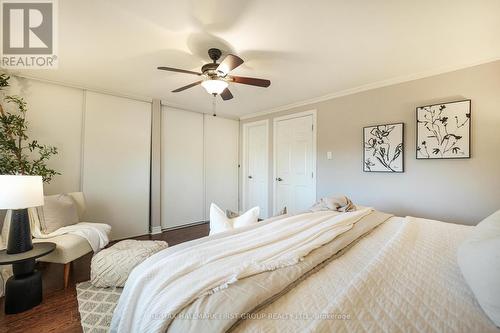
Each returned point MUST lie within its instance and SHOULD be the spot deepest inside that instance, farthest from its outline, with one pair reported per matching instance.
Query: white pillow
(479, 259)
(219, 222)
(58, 211)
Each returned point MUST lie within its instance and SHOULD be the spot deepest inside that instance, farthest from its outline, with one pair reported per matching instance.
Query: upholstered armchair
(69, 247)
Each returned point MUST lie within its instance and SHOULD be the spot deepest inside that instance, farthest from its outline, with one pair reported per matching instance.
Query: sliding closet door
(116, 163)
(55, 118)
(182, 191)
(221, 163)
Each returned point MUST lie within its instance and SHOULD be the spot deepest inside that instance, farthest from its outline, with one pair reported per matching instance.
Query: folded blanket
(213, 313)
(95, 233)
(159, 288)
(339, 204)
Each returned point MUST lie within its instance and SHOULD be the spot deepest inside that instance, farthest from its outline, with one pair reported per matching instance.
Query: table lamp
(19, 193)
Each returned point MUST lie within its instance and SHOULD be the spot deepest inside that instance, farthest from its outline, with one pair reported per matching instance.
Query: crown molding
(366, 87)
(85, 88)
(139, 98)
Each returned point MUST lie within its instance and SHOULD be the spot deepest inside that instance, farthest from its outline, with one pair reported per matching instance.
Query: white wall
(116, 165)
(461, 191)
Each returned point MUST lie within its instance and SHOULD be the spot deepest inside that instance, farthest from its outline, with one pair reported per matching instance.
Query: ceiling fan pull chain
(213, 105)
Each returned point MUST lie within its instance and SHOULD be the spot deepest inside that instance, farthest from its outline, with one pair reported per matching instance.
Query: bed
(362, 271)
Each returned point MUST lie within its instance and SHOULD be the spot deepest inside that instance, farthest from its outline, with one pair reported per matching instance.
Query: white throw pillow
(58, 211)
(219, 222)
(479, 259)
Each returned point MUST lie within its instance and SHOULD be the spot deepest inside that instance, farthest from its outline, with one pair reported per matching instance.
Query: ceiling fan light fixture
(214, 86)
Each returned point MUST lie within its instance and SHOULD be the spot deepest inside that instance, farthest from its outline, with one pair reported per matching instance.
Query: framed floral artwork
(383, 148)
(443, 130)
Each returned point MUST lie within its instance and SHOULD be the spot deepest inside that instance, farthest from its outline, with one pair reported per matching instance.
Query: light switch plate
(329, 155)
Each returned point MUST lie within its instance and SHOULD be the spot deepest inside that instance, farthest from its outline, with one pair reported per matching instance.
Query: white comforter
(402, 277)
(158, 289)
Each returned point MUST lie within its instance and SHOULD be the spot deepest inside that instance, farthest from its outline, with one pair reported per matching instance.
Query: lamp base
(19, 232)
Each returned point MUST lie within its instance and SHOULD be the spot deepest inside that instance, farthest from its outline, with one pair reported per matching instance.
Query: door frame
(244, 162)
(312, 113)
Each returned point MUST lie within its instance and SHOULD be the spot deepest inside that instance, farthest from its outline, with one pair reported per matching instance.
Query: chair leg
(67, 267)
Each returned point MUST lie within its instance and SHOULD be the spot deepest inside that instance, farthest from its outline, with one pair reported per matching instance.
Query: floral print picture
(383, 148)
(443, 130)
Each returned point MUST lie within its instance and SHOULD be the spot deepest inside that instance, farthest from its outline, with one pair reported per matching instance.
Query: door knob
(250, 177)
(279, 179)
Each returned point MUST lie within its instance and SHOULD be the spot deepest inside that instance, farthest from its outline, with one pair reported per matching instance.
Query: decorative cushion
(219, 222)
(112, 266)
(479, 259)
(231, 215)
(80, 203)
(58, 211)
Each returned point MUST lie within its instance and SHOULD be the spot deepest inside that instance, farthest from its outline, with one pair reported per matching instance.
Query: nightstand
(23, 290)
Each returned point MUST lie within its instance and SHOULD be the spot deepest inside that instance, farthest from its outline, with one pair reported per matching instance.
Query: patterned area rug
(96, 306)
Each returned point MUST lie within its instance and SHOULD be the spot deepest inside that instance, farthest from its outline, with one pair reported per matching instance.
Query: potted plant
(18, 153)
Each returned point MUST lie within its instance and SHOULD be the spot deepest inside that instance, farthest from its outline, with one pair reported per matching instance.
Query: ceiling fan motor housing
(214, 54)
(210, 69)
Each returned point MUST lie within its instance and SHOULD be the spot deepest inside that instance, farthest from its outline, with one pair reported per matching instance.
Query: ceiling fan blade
(187, 87)
(226, 94)
(251, 81)
(170, 69)
(229, 63)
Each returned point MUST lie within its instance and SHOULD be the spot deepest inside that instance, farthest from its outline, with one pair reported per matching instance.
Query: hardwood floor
(59, 309)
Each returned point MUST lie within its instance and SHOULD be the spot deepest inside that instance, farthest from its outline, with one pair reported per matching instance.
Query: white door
(255, 167)
(294, 144)
(116, 163)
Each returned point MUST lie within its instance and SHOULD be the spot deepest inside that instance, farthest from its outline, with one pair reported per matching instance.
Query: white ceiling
(306, 48)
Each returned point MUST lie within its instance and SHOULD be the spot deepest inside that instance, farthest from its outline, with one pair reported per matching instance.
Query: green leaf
(17, 156)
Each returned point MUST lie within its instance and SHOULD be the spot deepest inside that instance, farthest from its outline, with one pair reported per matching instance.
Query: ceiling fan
(216, 78)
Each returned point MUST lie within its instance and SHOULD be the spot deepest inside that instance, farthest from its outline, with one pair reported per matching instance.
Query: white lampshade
(18, 192)
(214, 86)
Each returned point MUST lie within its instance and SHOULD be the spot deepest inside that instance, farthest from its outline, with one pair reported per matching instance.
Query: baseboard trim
(155, 230)
(185, 226)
